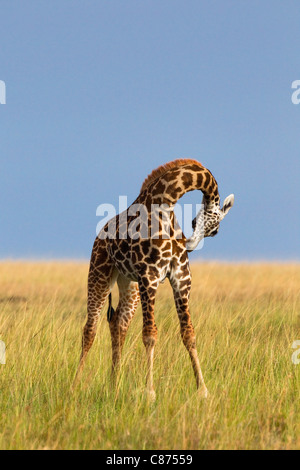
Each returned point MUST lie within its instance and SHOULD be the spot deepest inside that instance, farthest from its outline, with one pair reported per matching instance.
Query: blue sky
(101, 92)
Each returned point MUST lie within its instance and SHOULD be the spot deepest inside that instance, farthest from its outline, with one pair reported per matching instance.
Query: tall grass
(246, 318)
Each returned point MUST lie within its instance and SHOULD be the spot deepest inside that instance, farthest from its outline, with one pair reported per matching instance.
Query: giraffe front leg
(149, 342)
(149, 330)
(189, 340)
(119, 324)
(181, 284)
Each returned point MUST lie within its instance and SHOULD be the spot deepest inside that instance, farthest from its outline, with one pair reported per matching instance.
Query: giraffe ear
(228, 203)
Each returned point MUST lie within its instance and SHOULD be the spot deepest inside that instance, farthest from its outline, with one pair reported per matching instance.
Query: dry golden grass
(246, 317)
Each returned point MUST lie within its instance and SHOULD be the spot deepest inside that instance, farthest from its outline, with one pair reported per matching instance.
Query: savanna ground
(246, 318)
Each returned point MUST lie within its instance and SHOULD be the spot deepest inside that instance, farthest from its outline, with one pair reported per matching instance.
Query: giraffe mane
(161, 170)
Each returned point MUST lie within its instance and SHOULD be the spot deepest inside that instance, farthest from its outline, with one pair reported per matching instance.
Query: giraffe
(140, 262)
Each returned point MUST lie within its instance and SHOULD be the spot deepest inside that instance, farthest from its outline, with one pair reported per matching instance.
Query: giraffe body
(140, 262)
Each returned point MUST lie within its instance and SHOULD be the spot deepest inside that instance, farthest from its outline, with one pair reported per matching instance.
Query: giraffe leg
(149, 327)
(181, 284)
(128, 300)
(100, 282)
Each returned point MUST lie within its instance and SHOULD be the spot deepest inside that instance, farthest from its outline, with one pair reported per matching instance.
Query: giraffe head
(212, 215)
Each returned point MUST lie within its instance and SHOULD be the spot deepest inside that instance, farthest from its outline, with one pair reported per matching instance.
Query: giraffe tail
(110, 310)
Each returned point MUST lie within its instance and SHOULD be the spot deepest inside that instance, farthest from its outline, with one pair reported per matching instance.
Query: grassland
(246, 317)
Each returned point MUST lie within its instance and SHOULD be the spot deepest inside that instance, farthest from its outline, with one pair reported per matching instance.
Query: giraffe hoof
(151, 395)
(203, 392)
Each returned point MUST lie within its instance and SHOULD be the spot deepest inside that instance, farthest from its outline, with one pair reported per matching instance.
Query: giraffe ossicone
(140, 263)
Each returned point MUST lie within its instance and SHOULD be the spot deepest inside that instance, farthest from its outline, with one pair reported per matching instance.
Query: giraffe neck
(172, 185)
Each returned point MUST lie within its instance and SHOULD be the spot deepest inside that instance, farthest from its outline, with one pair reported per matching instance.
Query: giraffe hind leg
(99, 287)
